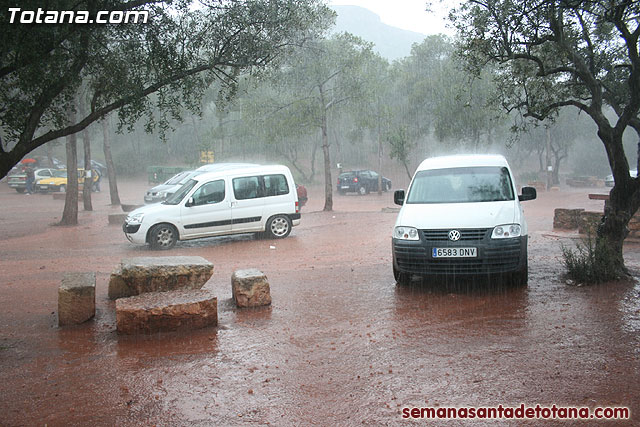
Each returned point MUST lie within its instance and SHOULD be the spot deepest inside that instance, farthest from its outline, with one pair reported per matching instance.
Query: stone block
(166, 311)
(76, 298)
(117, 219)
(158, 274)
(250, 288)
(588, 222)
(566, 219)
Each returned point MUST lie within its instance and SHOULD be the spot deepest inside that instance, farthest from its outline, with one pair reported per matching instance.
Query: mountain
(390, 42)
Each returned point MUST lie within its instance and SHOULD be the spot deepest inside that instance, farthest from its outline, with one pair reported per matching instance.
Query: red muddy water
(342, 344)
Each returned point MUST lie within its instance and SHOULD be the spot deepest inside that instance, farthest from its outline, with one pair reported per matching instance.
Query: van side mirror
(398, 197)
(189, 203)
(528, 193)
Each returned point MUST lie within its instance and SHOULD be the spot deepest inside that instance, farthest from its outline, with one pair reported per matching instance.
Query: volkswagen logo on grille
(454, 235)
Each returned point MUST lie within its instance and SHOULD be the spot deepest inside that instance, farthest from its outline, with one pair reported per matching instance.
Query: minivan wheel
(362, 190)
(278, 226)
(163, 236)
(402, 279)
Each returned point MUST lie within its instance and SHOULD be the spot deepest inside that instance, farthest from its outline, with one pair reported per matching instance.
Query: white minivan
(461, 216)
(229, 200)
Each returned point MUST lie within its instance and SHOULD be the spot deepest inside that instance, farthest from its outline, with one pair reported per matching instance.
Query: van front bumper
(135, 233)
(494, 256)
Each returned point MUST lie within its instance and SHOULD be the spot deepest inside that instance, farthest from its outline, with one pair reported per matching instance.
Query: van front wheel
(278, 226)
(163, 236)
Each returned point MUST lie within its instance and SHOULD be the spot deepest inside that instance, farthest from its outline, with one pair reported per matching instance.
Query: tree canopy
(176, 55)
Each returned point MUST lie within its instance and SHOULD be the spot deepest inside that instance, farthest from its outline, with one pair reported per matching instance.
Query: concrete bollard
(76, 298)
(250, 288)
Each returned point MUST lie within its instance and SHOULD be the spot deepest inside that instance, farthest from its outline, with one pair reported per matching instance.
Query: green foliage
(176, 55)
(591, 262)
(441, 98)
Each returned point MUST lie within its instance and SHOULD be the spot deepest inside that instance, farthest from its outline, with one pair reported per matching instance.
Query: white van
(238, 199)
(461, 216)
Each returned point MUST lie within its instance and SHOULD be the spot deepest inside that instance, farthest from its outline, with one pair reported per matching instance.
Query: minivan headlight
(135, 219)
(406, 233)
(506, 231)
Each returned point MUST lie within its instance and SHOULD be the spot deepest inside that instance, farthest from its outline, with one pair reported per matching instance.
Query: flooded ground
(341, 344)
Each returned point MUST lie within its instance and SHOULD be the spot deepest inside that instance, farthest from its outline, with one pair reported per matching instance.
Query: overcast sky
(408, 14)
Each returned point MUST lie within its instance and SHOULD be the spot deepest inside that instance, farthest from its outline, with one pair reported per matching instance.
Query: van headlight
(405, 233)
(506, 231)
(135, 219)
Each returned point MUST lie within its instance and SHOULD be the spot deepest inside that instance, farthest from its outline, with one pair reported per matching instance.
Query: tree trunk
(111, 172)
(406, 168)
(88, 173)
(624, 200)
(556, 168)
(50, 153)
(314, 150)
(613, 228)
(70, 212)
(328, 188)
(379, 160)
(548, 161)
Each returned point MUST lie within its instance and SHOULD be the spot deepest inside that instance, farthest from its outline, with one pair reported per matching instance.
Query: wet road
(341, 344)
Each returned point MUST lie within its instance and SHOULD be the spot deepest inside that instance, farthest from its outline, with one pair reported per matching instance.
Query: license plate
(43, 187)
(344, 187)
(454, 252)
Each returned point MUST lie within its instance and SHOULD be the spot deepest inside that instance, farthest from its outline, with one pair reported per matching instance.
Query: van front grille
(469, 234)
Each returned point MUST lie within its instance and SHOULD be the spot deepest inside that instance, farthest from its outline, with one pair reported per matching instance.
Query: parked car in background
(95, 165)
(58, 181)
(361, 181)
(161, 192)
(608, 181)
(18, 181)
(302, 195)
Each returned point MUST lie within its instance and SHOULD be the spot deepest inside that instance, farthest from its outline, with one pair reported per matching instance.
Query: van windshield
(176, 197)
(461, 185)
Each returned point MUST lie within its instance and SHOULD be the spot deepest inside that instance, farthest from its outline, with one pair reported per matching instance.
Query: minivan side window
(210, 193)
(253, 187)
(246, 187)
(275, 185)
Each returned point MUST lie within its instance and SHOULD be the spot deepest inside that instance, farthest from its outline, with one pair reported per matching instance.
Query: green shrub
(591, 262)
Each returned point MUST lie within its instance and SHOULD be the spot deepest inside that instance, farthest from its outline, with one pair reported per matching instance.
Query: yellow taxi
(58, 182)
